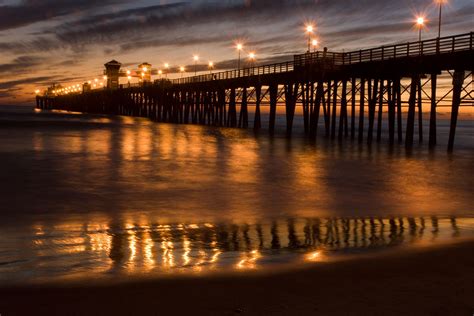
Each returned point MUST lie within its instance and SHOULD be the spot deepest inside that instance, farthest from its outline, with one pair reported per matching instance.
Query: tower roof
(113, 62)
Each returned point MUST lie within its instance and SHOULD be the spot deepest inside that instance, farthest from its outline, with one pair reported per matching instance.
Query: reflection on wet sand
(85, 249)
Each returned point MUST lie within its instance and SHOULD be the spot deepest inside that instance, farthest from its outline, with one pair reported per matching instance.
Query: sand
(428, 281)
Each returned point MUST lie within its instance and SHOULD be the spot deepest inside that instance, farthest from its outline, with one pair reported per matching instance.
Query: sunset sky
(68, 41)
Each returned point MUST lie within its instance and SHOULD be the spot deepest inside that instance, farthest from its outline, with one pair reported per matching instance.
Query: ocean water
(90, 196)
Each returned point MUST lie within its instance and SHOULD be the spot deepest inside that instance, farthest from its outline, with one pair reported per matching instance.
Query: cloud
(21, 64)
(31, 11)
(14, 83)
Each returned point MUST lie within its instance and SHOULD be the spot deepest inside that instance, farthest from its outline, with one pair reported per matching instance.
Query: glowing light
(105, 77)
(129, 78)
(420, 21)
(313, 256)
(128, 72)
(89, 82)
(251, 55)
(167, 65)
(309, 28)
(37, 91)
(196, 57)
(182, 69)
(160, 72)
(315, 42)
(96, 80)
(145, 69)
(211, 64)
(239, 46)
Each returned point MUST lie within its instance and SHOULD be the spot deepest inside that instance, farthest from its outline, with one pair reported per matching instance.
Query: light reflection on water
(100, 249)
(86, 196)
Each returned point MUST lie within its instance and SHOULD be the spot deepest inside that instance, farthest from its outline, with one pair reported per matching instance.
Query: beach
(430, 281)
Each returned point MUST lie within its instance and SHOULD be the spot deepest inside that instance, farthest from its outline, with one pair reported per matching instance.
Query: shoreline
(433, 280)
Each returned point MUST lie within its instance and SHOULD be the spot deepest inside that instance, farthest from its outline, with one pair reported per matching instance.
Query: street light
(309, 30)
(196, 58)
(129, 78)
(239, 47)
(420, 21)
(167, 67)
(211, 66)
(440, 2)
(315, 44)
(160, 72)
(252, 58)
(182, 70)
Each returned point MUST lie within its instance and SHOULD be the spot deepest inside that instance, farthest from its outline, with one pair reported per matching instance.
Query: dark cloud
(21, 64)
(31, 11)
(14, 83)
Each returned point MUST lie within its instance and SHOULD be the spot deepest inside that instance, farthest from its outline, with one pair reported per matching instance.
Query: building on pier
(112, 70)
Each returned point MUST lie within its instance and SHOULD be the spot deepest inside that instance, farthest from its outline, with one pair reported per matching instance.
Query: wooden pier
(354, 92)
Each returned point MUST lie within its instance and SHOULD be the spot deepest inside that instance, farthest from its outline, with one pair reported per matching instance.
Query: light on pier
(309, 30)
(211, 66)
(315, 44)
(420, 22)
(440, 2)
(239, 47)
(196, 58)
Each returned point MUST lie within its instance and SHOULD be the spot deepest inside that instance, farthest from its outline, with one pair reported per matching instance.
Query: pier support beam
(257, 123)
(432, 140)
(361, 109)
(273, 104)
(458, 80)
(411, 111)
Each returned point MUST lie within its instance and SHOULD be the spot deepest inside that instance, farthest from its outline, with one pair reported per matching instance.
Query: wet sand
(426, 281)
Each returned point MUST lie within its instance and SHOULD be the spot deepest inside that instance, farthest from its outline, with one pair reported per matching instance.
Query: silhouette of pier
(356, 93)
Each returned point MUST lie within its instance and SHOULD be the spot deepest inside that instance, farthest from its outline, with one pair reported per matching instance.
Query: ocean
(116, 198)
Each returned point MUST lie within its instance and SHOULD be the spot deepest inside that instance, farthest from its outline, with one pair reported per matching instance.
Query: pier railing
(436, 46)
(450, 44)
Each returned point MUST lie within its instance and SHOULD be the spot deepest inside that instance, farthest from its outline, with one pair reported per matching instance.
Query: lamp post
(167, 67)
(182, 70)
(160, 73)
(315, 44)
(309, 30)
(251, 61)
(420, 21)
(440, 2)
(239, 49)
(196, 58)
(211, 66)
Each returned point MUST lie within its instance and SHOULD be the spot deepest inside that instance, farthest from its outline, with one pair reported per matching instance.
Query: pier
(353, 94)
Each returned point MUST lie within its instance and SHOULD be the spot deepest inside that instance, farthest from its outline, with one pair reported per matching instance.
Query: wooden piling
(273, 104)
(411, 112)
(361, 109)
(257, 120)
(458, 79)
(432, 140)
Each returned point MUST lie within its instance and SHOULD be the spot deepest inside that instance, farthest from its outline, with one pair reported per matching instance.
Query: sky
(68, 41)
